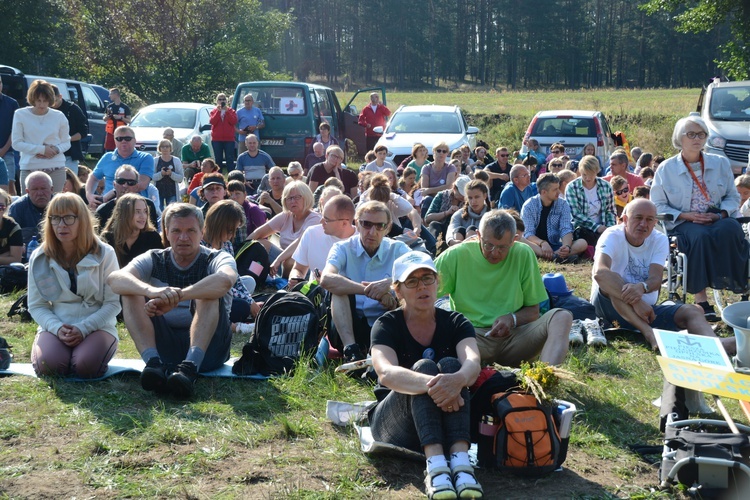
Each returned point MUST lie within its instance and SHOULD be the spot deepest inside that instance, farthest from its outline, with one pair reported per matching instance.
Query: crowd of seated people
(487, 221)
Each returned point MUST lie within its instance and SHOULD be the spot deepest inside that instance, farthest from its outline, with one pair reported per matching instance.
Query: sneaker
(154, 376)
(576, 337)
(709, 312)
(594, 334)
(244, 328)
(181, 382)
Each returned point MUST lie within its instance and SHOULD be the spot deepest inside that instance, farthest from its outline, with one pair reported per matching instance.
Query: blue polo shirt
(254, 168)
(8, 106)
(245, 117)
(352, 261)
(110, 162)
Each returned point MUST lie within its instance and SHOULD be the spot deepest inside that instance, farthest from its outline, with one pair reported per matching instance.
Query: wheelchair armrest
(743, 220)
(665, 217)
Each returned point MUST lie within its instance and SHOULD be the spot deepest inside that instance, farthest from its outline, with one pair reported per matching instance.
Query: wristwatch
(645, 287)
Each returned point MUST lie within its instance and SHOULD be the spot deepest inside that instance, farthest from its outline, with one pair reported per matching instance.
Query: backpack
(286, 329)
(20, 308)
(320, 299)
(252, 259)
(527, 442)
(13, 277)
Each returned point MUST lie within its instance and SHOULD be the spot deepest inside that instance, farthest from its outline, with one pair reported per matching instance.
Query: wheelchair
(676, 268)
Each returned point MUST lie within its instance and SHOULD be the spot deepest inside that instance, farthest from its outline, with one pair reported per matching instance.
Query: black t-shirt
(117, 109)
(10, 235)
(147, 240)
(541, 228)
(497, 184)
(451, 328)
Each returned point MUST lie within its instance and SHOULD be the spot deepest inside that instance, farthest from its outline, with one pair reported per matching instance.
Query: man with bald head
(627, 275)
(518, 190)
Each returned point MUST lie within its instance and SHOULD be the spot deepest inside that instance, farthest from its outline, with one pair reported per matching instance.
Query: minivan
(16, 85)
(293, 111)
(725, 107)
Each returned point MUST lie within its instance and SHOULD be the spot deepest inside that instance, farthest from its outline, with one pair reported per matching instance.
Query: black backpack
(252, 260)
(320, 299)
(13, 278)
(285, 330)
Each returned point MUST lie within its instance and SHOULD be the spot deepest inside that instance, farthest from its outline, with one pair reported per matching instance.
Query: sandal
(444, 492)
(467, 490)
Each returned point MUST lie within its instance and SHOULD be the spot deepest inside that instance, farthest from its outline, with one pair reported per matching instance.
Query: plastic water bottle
(33, 245)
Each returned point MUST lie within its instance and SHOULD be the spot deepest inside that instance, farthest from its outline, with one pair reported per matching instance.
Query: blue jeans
(224, 150)
(415, 421)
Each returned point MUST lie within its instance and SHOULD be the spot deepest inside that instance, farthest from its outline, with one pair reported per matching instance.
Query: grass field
(248, 439)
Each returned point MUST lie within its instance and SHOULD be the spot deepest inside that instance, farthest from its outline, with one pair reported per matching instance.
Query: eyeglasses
(248, 100)
(441, 150)
(366, 224)
(557, 151)
(69, 220)
(696, 135)
(296, 197)
(522, 175)
(222, 100)
(129, 182)
(504, 156)
(126, 138)
(622, 191)
(165, 147)
(3, 206)
(336, 156)
(489, 247)
(328, 221)
(427, 279)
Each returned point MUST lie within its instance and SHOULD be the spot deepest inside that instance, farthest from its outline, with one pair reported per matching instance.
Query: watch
(645, 287)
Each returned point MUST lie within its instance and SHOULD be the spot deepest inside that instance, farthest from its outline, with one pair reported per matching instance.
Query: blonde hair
(303, 190)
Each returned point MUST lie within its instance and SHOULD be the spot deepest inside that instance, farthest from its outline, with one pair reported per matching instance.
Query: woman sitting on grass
(11, 239)
(425, 359)
(68, 295)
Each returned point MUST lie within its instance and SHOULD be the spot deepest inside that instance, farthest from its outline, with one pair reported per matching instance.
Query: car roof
(427, 107)
(567, 112)
(743, 83)
(187, 105)
(269, 83)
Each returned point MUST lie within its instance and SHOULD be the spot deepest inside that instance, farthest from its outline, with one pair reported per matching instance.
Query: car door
(203, 127)
(349, 121)
(95, 113)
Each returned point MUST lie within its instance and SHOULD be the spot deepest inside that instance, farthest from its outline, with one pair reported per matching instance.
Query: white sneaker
(244, 328)
(576, 337)
(594, 334)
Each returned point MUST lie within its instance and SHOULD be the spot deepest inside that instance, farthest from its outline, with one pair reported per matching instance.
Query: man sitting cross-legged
(176, 304)
(547, 219)
(627, 276)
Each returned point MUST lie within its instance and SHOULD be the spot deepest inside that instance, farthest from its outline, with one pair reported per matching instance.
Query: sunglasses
(427, 279)
(129, 182)
(504, 156)
(3, 206)
(557, 151)
(222, 100)
(441, 150)
(125, 138)
(366, 224)
(622, 191)
(555, 165)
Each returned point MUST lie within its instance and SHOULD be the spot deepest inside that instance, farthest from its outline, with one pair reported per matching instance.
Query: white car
(429, 125)
(573, 129)
(185, 118)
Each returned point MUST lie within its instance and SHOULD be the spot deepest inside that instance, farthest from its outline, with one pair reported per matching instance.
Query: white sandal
(467, 490)
(443, 492)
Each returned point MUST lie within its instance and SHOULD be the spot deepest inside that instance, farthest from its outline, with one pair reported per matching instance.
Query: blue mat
(128, 366)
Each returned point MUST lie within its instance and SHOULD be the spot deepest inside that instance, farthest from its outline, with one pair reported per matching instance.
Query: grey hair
(619, 157)
(181, 211)
(497, 223)
(681, 125)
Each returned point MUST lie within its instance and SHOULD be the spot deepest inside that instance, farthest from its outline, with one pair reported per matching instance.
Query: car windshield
(564, 127)
(165, 117)
(276, 100)
(731, 104)
(424, 123)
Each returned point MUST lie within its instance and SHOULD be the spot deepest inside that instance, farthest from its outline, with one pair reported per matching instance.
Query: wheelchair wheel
(723, 298)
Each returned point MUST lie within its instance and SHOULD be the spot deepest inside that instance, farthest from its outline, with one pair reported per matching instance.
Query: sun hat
(461, 183)
(555, 285)
(410, 262)
(213, 180)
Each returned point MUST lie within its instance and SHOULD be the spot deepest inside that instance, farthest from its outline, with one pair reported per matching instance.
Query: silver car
(725, 107)
(185, 118)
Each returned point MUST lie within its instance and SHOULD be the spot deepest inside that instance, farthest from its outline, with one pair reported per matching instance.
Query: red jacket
(223, 130)
(373, 118)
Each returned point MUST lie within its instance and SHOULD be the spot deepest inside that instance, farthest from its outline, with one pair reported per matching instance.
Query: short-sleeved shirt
(319, 174)
(497, 184)
(633, 180)
(314, 246)
(482, 291)
(438, 179)
(255, 167)
(450, 329)
(187, 155)
(158, 268)
(629, 261)
(247, 117)
(283, 224)
(10, 235)
(373, 167)
(353, 262)
(110, 162)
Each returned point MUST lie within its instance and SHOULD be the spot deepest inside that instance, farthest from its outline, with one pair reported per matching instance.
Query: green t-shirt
(482, 291)
(188, 155)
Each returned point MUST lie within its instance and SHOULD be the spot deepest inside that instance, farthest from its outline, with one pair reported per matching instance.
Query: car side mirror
(378, 130)
(472, 130)
(352, 109)
(205, 128)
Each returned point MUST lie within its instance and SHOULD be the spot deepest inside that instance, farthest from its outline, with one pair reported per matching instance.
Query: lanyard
(702, 183)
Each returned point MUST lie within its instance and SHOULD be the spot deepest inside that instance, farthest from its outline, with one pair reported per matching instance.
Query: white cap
(461, 183)
(410, 262)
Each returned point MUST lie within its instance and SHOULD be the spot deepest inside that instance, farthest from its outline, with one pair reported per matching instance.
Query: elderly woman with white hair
(698, 190)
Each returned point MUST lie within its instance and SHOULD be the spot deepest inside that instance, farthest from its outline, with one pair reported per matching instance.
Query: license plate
(272, 142)
(571, 151)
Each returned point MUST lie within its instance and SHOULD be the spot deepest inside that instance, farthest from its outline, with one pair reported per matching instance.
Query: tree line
(188, 50)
